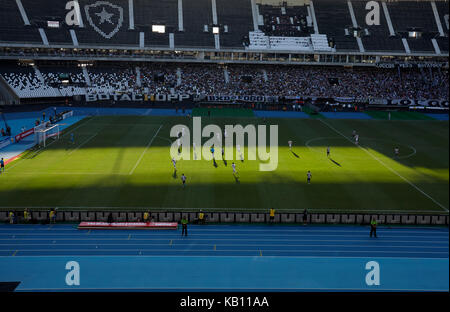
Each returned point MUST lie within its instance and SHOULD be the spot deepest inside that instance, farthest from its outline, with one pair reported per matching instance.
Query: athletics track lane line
(143, 153)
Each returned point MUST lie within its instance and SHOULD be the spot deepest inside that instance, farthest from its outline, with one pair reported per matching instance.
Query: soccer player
(328, 151)
(309, 175)
(72, 138)
(2, 165)
(233, 165)
(354, 133)
(183, 179)
(195, 153)
(212, 151)
(174, 162)
(290, 145)
(396, 151)
(239, 151)
(357, 139)
(179, 146)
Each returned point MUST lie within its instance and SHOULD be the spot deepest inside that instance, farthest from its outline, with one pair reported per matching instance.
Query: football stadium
(286, 146)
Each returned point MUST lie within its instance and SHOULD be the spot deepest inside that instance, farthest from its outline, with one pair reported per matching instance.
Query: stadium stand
(416, 17)
(236, 15)
(332, 19)
(196, 15)
(378, 37)
(285, 21)
(269, 80)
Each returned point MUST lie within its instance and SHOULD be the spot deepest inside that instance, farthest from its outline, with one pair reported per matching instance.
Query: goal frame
(41, 134)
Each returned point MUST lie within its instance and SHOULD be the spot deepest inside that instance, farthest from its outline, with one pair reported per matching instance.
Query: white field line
(67, 173)
(85, 142)
(228, 250)
(118, 240)
(143, 153)
(211, 244)
(387, 167)
(264, 237)
(223, 210)
(18, 162)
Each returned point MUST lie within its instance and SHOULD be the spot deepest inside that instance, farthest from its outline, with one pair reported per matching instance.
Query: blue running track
(225, 257)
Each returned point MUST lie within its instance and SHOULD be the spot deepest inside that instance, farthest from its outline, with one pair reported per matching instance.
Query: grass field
(124, 162)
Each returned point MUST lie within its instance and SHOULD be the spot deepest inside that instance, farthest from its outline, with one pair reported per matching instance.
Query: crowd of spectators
(269, 80)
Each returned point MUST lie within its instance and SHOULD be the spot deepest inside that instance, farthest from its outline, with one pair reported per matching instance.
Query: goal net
(44, 135)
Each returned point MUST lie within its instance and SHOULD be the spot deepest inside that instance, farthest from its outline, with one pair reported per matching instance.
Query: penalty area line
(143, 153)
(83, 143)
(387, 167)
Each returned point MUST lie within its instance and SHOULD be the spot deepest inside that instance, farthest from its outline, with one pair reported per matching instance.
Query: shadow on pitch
(174, 175)
(225, 163)
(295, 154)
(236, 178)
(335, 162)
(215, 164)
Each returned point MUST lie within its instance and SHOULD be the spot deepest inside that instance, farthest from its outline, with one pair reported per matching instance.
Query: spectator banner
(23, 135)
(242, 98)
(410, 103)
(5, 142)
(136, 97)
(411, 65)
(128, 225)
(378, 101)
(344, 99)
(67, 115)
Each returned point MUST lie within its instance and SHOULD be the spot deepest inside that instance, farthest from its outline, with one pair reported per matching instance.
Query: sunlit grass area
(125, 163)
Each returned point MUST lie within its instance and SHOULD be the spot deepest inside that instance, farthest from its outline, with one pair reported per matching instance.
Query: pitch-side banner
(23, 135)
(409, 102)
(67, 115)
(137, 97)
(241, 98)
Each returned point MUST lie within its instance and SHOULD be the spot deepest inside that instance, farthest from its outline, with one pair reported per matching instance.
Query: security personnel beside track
(184, 223)
(373, 227)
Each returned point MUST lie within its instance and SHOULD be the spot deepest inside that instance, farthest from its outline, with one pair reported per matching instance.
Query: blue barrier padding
(438, 116)
(346, 115)
(280, 114)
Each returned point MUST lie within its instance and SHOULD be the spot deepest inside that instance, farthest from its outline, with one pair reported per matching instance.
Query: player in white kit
(174, 162)
(195, 153)
(309, 175)
(183, 179)
(290, 145)
(233, 165)
(396, 151)
(357, 139)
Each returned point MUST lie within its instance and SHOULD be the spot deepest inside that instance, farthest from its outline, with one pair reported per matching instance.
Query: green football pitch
(123, 162)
